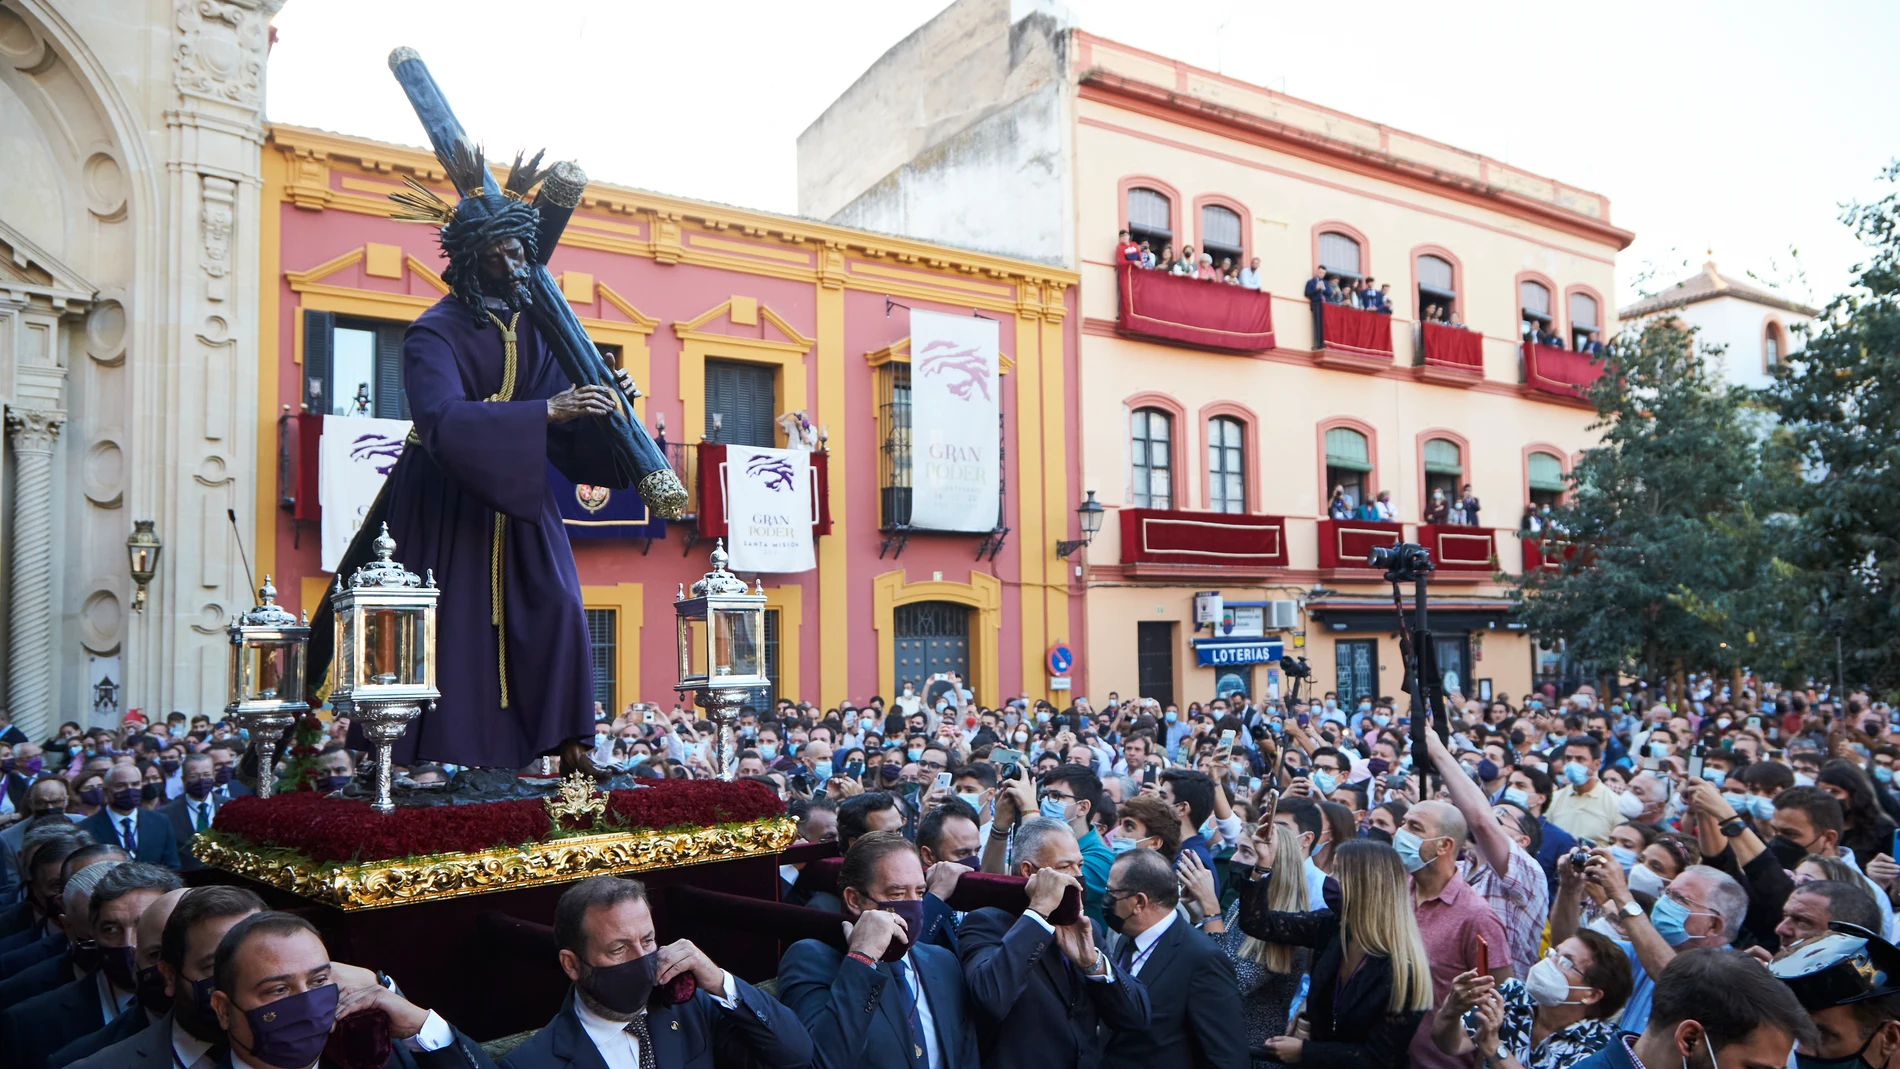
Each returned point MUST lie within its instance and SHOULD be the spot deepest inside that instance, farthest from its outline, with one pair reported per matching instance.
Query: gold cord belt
(498, 538)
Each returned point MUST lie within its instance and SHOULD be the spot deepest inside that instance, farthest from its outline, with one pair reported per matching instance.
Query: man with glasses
(1069, 794)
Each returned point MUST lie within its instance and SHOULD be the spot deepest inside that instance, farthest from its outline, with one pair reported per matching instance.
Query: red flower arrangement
(344, 830)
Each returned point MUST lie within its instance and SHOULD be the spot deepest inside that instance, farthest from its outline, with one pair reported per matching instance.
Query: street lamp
(385, 653)
(267, 659)
(142, 548)
(721, 644)
(1089, 512)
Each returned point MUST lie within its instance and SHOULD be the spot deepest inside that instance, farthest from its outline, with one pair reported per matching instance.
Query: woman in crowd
(1166, 260)
(1387, 818)
(1371, 983)
(1269, 974)
(1185, 265)
(152, 791)
(1341, 827)
(1205, 270)
(1565, 1011)
(89, 792)
(1866, 828)
(1615, 778)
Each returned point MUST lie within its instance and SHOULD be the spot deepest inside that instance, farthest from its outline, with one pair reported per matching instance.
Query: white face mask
(1547, 985)
(1628, 806)
(1645, 880)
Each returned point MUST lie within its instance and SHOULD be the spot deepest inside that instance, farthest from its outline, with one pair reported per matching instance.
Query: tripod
(1410, 562)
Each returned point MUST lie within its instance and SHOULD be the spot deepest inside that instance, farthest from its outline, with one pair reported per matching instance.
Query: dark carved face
(504, 272)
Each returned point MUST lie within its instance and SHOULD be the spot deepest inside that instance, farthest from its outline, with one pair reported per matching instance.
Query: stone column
(32, 433)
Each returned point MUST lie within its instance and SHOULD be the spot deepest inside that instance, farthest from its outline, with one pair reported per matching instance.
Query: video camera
(1402, 561)
(1296, 668)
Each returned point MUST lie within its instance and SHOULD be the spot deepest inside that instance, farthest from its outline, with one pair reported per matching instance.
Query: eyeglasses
(1563, 961)
(1058, 796)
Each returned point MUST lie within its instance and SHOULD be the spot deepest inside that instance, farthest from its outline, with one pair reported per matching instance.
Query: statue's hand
(577, 401)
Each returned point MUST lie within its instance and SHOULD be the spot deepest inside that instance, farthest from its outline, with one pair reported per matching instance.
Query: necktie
(204, 817)
(637, 1028)
(126, 836)
(1126, 959)
(908, 995)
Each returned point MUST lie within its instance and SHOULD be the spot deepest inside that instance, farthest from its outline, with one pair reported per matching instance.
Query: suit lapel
(668, 1035)
(571, 1043)
(943, 983)
(1163, 956)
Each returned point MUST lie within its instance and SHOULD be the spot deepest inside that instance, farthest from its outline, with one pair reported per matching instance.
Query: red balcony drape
(1450, 347)
(1559, 371)
(1210, 539)
(1351, 330)
(1214, 314)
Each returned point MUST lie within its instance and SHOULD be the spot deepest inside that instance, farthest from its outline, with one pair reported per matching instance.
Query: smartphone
(1227, 739)
(1303, 719)
(943, 781)
(1148, 775)
(650, 714)
(1484, 956)
(1753, 722)
(1000, 756)
(1893, 851)
(1695, 761)
(854, 769)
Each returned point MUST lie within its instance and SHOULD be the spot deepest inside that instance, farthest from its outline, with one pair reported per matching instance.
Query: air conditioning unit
(1283, 615)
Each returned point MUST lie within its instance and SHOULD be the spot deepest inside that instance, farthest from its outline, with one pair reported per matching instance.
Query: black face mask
(87, 956)
(149, 792)
(191, 1008)
(117, 962)
(1112, 921)
(1788, 853)
(151, 991)
(622, 988)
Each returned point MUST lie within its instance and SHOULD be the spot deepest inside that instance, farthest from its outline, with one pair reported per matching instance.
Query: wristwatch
(1733, 826)
(1630, 909)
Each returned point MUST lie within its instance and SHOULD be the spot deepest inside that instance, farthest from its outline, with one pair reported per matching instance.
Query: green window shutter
(1546, 473)
(1346, 448)
(1442, 457)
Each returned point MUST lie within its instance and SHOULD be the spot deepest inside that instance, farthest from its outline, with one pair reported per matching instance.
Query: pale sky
(1739, 127)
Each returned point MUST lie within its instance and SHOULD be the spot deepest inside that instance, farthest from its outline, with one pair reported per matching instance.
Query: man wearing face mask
(194, 811)
(144, 833)
(45, 967)
(1849, 982)
(224, 758)
(1070, 794)
(889, 998)
(638, 1004)
(277, 997)
(1503, 873)
(151, 1003)
(32, 1030)
(1714, 1009)
(1193, 995)
(1044, 991)
(1584, 807)
(1701, 908)
(45, 801)
(1808, 820)
(1452, 916)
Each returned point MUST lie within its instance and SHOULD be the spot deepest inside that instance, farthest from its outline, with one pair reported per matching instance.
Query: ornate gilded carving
(378, 884)
(664, 494)
(579, 799)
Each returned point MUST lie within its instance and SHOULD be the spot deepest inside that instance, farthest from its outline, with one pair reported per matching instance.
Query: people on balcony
(1205, 270)
(1147, 256)
(1540, 334)
(1439, 511)
(1250, 274)
(1185, 265)
(1468, 507)
(1127, 251)
(1341, 506)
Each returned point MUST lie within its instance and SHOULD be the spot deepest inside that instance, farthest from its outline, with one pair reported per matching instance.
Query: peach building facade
(1216, 420)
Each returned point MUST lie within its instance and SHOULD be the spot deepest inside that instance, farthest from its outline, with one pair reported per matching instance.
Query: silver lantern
(721, 630)
(385, 653)
(268, 647)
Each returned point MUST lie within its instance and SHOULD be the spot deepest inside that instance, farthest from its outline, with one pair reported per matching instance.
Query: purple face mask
(912, 911)
(126, 798)
(200, 789)
(292, 1031)
(93, 796)
(33, 765)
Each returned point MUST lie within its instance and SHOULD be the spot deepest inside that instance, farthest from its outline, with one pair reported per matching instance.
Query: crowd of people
(1460, 510)
(1188, 264)
(1591, 881)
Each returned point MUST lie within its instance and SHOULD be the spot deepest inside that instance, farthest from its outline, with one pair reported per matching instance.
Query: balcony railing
(1175, 542)
(1560, 372)
(1546, 554)
(1460, 549)
(1353, 338)
(1345, 543)
(1452, 356)
(1212, 314)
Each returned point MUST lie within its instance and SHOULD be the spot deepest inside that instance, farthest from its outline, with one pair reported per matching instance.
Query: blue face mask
(768, 751)
(1169, 717)
(1381, 719)
(1761, 808)
(868, 724)
(1668, 918)
(1408, 844)
(1714, 775)
(1576, 773)
(1042, 718)
(822, 770)
(1323, 783)
(1055, 809)
(1883, 774)
(914, 755)
(1624, 856)
(1365, 707)
(1516, 797)
(1120, 845)
(1405, 761)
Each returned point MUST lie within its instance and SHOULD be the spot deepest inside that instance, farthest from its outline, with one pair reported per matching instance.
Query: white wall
(1738, 326)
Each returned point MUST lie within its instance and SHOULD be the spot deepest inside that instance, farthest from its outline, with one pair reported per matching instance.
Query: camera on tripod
(1296, 669)
(1402, 561)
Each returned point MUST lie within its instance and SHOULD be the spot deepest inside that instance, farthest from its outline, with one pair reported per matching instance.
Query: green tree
(1670, 552)
(1839, 401)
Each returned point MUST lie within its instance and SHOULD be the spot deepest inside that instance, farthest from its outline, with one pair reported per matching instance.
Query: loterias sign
(1219, 653)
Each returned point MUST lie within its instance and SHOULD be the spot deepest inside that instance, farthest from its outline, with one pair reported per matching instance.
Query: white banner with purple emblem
(955, 396)
(353, 459)
(769, 501)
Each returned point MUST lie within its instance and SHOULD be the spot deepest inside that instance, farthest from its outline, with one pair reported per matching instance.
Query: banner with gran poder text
(769, 499)
(955, 395)
(353, 459)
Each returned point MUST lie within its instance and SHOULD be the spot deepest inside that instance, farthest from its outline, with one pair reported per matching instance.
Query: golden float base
(433, 878)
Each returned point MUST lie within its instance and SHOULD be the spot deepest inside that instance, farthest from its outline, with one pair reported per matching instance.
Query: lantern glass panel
(290, 685)
(394, 644)
(346, 651)
(737, 642)
(264, 668)
(695, 638)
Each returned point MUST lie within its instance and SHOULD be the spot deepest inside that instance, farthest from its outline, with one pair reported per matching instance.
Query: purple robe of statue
(478, 458)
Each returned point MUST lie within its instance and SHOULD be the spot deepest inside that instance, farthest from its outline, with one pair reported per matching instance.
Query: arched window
(1533, 299)
(1150, 216)
(1151, 433)
(1220, 234)
(1444, 470)
(1546, 477)
(1226, 465)
(1771, 345)
(1583, 320)
(1435, 285)
(1348, 463)
(1339, 255)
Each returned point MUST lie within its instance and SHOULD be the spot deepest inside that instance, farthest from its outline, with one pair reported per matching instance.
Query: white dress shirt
(933, 1053)
(434, 1034)
(112, 1001)
(1108, 971)
(616, 1045)
(1145, 943)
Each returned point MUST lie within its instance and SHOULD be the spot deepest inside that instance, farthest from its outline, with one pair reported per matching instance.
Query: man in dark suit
(225, 755)
(863, 1010)
(1316, 299)
(48, 796)
(41, 968)
(144, 833)
(150, 1003)
(42, 852)
(277, 960)
(1195, 1017)
(1042, 992)
(194, 810)
(187, 1034)
(32, 1030)
(618, 1004)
